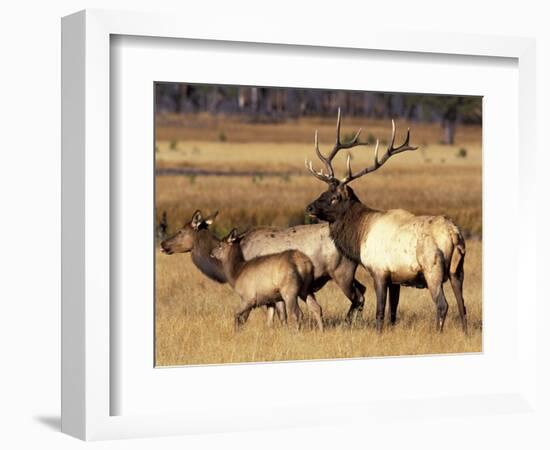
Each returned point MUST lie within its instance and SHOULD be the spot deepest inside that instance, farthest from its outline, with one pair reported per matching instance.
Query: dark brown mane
(347, 231)
(200, 255)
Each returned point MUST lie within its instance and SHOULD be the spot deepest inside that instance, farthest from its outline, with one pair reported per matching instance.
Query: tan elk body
(396, 247)
(402, 245)
(312, 240)
(268, 279)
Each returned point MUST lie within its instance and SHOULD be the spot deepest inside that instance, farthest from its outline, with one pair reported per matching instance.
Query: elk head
(184, 239)
(339, 197)
(222, 251)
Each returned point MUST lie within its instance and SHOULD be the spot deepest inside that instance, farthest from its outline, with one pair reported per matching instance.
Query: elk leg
(457, 280)
(270, 315)
(357, 301)
(281, 312)
(291, 304)
(241, 315)
(433, 268)
(381, 288)
(394, 301)
(316, 310)
(441, 305)
(300, 313)
(434, 280)
(353, 290)
(245, 315)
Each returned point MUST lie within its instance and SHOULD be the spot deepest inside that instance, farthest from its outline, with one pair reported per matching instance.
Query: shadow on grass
(406, 321)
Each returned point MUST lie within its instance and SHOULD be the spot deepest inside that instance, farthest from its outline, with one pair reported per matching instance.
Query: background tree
(275, 104)
(448, 110)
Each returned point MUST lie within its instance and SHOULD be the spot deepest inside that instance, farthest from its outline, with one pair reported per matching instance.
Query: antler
(327, 161)
(391, 150)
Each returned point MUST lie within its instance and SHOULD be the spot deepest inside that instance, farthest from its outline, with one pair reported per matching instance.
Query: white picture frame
(88, 388)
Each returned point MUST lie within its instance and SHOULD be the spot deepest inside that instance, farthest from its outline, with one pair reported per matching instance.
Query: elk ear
(232, 236)
(210, 219)
(345, 191)
(197, 219)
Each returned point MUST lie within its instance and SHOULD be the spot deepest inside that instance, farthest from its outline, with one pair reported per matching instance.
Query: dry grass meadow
(194, 315)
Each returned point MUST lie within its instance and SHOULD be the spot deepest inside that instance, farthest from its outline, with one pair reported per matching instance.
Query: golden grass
(194, 322)
(272, 157)
(205, 127)
(432, 180)
(452, 188)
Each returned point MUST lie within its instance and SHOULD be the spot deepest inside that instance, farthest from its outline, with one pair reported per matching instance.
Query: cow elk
(312, 240)
(268, 279)
(396, 247)
(196, 237)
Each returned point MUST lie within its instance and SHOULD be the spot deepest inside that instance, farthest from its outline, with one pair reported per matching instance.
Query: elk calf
(265, 280)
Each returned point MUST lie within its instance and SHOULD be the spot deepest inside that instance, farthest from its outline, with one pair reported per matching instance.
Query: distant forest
(269, 104)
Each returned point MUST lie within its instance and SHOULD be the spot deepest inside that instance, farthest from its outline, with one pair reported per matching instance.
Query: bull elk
(269, 279)
(396, 247)
(312, 240)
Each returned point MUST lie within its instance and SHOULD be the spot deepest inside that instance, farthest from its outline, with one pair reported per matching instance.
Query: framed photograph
(240, 244)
